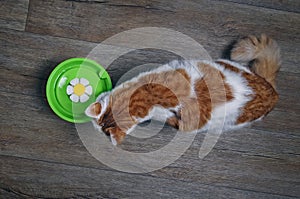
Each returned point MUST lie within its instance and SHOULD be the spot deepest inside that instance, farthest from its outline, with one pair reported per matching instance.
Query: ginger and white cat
(188, 94)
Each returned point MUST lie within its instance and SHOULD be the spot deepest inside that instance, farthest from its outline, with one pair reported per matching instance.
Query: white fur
(158, 113)
(130, 129)
(191, 69)
(225, 114)
(175, 109)
(113, 140)
(103, 99)
(241, 92)
(96, 125)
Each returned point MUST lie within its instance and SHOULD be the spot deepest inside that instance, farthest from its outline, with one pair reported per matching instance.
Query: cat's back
(252, 96)
(223, 90)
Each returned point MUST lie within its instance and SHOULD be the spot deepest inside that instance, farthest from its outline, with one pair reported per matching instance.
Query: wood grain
(287, 5)
(213, 24)
(13, 14)
(43, 156)
(59, 180)
(272, 150)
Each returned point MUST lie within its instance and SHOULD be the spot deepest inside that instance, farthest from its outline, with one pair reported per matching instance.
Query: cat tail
(263, 52)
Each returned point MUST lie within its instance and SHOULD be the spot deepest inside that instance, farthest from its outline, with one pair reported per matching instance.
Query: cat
(188, 94)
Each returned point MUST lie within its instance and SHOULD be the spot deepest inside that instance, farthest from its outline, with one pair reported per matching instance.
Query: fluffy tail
(263, 51)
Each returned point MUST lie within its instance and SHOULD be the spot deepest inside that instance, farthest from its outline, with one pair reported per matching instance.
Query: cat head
(101, 112)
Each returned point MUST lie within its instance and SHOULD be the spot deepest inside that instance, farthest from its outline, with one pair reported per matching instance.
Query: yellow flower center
(79, 89)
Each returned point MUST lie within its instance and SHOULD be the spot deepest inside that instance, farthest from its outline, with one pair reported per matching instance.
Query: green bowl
(73, 85)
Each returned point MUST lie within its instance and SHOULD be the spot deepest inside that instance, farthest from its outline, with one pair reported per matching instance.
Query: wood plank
(287, 5)
(268, 159)
(283, 113)
(37, 55)
(10, 81)
(213, 24)
(36, 59)
(280, 122)
(283, 119)
(262, 155)
(13, 14)
(7, 193)
(33, 180)
(36, 116)
(31, 55)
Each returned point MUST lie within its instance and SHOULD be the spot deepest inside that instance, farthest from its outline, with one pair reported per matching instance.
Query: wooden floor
(41, 156)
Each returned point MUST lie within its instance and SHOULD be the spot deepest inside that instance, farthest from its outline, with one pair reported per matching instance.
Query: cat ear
(93, 110)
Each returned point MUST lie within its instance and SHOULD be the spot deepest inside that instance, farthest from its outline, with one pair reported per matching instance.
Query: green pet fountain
(73, 85)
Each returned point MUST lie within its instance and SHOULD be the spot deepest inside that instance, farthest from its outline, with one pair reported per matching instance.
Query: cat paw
(173, 121)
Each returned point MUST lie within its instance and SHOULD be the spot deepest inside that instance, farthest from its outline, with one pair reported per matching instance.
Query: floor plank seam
(148, 175)
(23, 94)
(90, 1)
(43, 97)
(25, 75)
(6, 30)
(42, 156)
(107, 3)
(27, 16)
(258, 6)
(272, 131)
(18, 193)
(246, 153)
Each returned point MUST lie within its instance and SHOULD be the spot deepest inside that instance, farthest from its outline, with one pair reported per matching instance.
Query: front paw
(173, 121)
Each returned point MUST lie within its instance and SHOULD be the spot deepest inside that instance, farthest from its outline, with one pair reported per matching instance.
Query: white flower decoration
(79, 90)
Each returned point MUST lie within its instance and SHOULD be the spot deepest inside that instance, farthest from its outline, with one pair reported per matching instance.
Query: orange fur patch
(263, 51)
(136, 99)
(149, 95)
(264, 99)
(172, 88)
(229, 67)
(220, 92)
(211, 91)
(192, 106)
(96, 108)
